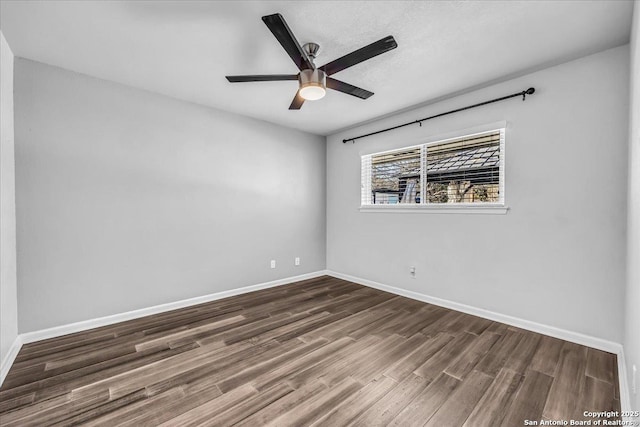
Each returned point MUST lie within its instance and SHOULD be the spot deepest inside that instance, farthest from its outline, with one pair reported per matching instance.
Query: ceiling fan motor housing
(313, 84)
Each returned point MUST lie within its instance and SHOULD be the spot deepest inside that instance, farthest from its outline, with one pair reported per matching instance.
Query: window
(464, 171)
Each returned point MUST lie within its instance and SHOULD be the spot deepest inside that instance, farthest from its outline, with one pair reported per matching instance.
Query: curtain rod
(524, 94)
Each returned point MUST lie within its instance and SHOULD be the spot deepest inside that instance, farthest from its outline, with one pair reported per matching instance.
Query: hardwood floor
(319, 352)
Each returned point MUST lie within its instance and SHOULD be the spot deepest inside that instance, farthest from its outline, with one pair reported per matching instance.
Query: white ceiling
(184, 49)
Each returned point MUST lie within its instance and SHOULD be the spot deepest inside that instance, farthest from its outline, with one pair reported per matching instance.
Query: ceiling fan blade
(262, 78)
(282, 32)
(374, 49)
(297, 102)
(347, 88)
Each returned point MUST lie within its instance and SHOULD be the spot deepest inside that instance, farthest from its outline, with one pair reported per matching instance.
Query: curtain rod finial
(527, 92)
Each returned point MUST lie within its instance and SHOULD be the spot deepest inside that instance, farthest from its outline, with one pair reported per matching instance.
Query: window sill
(437, 209)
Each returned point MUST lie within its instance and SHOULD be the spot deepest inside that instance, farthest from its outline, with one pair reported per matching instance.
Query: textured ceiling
(184, 49)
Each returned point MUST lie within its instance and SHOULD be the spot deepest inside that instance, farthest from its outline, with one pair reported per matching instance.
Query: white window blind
(464, 170)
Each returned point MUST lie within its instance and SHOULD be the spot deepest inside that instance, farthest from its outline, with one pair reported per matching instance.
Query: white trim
(575, 337)
(445, 208)
(10, 357)
(540, 328)
(84, 325)
(502, 170)
(423, 174)
(625, 395)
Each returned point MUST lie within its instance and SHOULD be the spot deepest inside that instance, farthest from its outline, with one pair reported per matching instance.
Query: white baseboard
(540, 328)
(8, 360)
(625, 395)
(575, 337)
(84, 325)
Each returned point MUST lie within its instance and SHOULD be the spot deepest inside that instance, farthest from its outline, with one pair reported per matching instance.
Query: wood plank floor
(319, 352)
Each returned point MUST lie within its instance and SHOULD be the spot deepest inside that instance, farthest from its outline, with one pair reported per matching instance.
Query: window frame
(499, 207)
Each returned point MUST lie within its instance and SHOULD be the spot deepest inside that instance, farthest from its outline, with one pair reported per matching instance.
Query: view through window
(464, 170)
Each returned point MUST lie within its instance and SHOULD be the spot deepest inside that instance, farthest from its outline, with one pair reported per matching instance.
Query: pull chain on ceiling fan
(313, 80)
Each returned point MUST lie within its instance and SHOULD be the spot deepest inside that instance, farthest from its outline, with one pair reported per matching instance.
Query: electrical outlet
(412, 271)
(297, 261)
(634, 380)
(273, 263)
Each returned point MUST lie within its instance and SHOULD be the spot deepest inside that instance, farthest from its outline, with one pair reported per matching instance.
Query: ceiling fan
(314, 80)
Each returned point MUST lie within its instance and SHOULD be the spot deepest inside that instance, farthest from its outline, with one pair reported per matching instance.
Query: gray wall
(127, 199)
(8, 296)
(558, 256)
(632, 321)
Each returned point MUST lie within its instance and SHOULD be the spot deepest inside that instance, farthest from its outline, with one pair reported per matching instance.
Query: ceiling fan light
(313, 84)
(312, 92)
